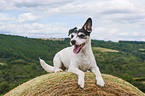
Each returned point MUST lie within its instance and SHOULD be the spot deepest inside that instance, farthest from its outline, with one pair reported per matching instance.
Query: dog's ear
(88, 25)
(71, 30)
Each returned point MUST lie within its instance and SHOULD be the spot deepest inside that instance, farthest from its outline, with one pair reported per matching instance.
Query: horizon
(113, 20)
(69, 38)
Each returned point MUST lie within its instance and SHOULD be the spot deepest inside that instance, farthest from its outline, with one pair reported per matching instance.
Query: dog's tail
(47, 67)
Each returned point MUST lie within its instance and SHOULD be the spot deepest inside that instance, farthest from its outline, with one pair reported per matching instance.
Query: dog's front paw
(58, 70)
(100, 82)
(81, 83)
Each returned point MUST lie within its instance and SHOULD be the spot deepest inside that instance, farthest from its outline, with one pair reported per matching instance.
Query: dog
(79, 57)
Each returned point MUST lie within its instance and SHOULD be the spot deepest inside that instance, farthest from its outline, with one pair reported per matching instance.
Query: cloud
(27, 17)
(112, 19)
(2, 6)
(6, 19)
(115, 10)
(115, 34)
(123, 11)
(39, 4)
(35, 30)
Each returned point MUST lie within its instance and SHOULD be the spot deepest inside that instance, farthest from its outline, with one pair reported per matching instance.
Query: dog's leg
(99, 78)
(80, 75)
(57, 64)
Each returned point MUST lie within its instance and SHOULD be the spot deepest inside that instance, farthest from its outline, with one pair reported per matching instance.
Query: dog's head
(79, 37)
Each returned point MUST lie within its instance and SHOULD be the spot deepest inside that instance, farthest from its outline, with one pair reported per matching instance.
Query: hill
(65, 83)
(19, 59)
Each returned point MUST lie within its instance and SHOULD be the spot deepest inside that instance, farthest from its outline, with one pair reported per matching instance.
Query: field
(19, 59)
(51, 39)
(103, 49)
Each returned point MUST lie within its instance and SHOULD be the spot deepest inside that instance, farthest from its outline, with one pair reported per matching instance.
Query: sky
(113, 20)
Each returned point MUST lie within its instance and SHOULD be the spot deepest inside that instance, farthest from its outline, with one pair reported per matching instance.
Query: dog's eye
(72, 36)
(81, 36)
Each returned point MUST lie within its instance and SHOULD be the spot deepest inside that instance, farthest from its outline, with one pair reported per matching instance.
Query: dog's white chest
(84, 64)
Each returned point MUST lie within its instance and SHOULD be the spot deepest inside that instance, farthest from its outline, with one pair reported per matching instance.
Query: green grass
(65, 83)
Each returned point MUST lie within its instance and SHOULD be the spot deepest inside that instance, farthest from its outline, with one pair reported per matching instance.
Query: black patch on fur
(82, 30)
(86, 29)
(74, 30)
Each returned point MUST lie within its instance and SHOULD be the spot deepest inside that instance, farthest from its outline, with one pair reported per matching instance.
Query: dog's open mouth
(77, 48)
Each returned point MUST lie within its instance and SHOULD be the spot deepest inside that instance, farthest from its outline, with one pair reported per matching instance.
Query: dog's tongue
(76, 48)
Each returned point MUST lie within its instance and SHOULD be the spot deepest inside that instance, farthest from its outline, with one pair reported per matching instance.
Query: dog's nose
(73, 42)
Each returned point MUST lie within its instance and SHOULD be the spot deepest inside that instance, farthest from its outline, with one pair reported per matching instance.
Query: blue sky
(112, 19)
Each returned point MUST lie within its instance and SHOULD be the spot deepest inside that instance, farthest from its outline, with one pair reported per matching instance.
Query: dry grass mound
(65, 83)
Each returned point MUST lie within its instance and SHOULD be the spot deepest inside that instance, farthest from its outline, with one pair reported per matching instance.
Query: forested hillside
(19, 59)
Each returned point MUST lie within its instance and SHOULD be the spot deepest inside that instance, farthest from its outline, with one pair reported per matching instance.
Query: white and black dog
(77, 58)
